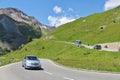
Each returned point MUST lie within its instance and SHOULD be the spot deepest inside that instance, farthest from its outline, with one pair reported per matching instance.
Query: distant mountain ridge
(16, 27)
(19, 16)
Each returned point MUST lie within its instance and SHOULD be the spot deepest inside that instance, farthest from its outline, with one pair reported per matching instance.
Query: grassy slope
(86, 29)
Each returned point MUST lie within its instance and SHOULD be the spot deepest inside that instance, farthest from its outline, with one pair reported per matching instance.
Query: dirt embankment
(113, 45)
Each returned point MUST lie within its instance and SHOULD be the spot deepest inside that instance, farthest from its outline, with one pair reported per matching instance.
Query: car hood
(33, 61)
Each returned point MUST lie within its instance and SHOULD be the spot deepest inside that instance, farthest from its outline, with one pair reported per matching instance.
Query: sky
(58, 12)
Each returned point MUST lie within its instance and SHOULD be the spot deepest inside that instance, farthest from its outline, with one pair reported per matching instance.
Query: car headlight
(28, 63)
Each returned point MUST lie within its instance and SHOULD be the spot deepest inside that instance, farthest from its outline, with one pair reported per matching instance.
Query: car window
(32, 58)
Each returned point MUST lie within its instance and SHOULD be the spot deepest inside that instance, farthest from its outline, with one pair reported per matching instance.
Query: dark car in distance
(97, 47)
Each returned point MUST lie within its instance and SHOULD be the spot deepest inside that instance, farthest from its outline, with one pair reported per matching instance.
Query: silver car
(31, 62)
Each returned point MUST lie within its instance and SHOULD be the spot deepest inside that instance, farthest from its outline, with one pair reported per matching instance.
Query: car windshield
(32, 58)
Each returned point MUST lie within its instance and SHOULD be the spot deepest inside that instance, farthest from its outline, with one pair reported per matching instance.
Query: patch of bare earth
(113, 45)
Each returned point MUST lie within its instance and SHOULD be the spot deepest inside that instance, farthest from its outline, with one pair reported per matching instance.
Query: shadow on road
(35, 69)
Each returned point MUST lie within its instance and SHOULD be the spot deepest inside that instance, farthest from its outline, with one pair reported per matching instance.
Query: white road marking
(48, 72)
(68, 78)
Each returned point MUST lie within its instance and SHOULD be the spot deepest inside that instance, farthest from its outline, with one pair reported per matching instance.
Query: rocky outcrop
(10, 35)
(16, 27)
(8, 24)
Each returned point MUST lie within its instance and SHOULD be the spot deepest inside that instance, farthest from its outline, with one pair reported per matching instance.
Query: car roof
(97, 45)
(30, 56)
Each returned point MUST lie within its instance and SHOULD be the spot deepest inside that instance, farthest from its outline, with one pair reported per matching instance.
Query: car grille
(34, 63)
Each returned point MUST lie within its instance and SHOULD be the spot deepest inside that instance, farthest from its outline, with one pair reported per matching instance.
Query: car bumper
(33, 67)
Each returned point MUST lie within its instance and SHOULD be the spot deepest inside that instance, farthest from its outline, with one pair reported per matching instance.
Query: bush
(29, 39)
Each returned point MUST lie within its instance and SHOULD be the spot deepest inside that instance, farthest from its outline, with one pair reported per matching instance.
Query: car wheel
(22, 65)
(25, 67)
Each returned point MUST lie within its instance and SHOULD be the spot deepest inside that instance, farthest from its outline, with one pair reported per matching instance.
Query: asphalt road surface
(51, 72)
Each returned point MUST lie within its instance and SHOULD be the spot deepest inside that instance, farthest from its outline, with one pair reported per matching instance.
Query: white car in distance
(31, 62)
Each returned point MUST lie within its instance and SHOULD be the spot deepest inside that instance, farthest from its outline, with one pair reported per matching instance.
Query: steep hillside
(10, 35)
(16, 28)
(93, 29)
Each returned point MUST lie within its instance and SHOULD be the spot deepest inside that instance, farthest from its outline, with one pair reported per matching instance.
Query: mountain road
(91, 47)
(52, 71)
